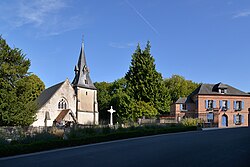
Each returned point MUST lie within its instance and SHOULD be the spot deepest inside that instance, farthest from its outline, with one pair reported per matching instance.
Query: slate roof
(82, 77)
(47, 94)
(212, 89)
(183, 100)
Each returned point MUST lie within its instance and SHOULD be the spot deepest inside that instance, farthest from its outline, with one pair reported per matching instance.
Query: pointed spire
(82, 78)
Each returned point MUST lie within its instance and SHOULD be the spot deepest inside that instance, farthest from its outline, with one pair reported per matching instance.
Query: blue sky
(203, 40)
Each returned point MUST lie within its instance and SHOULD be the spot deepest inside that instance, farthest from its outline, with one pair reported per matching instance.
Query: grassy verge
(85, 136)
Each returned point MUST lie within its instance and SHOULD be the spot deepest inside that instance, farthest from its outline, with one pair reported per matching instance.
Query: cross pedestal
(111, 115)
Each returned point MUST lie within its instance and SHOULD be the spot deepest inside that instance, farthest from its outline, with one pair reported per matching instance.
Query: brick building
(219, 104)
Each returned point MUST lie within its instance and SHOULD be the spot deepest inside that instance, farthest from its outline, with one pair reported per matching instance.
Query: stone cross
(111, 115)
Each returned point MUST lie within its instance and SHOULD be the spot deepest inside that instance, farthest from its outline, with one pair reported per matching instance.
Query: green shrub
(190, 121)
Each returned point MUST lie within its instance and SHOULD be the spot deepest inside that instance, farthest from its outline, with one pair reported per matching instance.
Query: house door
(224, 121)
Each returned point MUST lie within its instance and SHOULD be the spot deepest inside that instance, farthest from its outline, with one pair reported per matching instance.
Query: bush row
(16, 148)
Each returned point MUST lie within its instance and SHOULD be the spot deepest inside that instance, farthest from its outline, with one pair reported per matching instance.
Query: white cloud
(241, 14)
(37, 12)
(45, 17)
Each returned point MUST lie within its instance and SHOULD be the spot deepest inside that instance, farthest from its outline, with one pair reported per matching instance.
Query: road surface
(224, 148)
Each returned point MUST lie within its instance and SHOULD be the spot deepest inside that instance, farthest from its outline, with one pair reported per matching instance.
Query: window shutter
(242, 104)
(242, 119)
(220, 103)
(234, 104)
(234, 119)
(206, 104)
(214, 104)
(228, 104)
(181, 107)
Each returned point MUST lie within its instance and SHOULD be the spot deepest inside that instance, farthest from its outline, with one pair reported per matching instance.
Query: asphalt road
(224, 148)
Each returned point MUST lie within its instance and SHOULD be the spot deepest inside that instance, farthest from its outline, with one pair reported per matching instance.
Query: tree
(144, 82)
(104, 99)
(123, 104)
(18, 88)
(178, 87)
(142, 108)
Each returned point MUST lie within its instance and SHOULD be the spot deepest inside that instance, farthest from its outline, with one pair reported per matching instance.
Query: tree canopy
(178, 87)
(144, 82)
(143, 91)
(19, 88)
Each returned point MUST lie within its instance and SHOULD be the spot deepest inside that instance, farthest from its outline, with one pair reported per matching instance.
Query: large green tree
(178, 87)
(144, 82)
(18, 88)
(104, 99)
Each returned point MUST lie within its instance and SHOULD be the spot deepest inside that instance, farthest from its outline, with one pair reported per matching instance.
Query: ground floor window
(183, 107)
(238, 119)
(210, 117)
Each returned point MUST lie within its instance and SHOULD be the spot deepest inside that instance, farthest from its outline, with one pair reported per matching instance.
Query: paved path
(224, 148)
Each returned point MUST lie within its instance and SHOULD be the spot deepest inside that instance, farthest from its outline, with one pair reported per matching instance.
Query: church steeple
(82, 77)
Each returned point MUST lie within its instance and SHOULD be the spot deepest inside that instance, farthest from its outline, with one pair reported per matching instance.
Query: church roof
(82, 77)
(47, 94)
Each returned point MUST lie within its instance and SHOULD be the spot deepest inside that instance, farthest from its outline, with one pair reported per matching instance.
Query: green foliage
(123, 104)
(178, 87)
(144, 82)
(142, 108)
(29, 88)
(142, 92)
(190, 121)
(18, 89)
(104, 99)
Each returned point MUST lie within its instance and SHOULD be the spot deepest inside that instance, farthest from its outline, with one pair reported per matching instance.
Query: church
(69, 102)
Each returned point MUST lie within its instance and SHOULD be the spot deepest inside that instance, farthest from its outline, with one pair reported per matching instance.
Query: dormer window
(223, 91)
(86, 81)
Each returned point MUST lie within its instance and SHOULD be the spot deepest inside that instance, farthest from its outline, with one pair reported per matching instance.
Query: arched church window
(62, 104)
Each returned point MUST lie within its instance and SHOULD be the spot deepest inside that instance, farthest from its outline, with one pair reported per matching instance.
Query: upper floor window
(210, 104)
(62, 104)
(238, 105)
(224, 105)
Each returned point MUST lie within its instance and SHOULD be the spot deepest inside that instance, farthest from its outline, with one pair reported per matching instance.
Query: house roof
(82, 77)
(183, 100)
(212, 89)
(47, 94)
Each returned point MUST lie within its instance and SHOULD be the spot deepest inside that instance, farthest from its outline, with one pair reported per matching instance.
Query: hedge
(17, 148)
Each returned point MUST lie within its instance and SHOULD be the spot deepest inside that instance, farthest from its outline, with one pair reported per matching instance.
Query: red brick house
(219, 104)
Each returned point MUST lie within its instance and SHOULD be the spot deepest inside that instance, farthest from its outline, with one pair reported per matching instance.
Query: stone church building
(67, 102)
